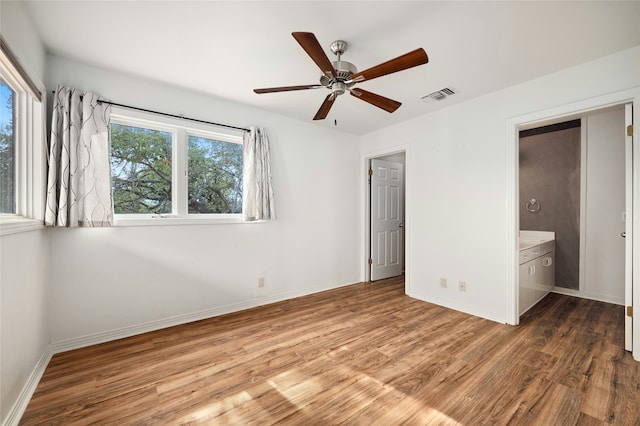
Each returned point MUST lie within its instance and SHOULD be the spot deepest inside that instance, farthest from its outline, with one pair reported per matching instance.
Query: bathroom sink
(529, 243)
(530, 239)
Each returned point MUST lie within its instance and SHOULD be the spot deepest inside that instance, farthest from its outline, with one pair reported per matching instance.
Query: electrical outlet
(260, 282)
(462, 286)
(443, 282)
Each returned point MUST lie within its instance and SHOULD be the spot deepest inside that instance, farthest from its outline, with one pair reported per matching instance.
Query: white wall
(23, 257)
(459, 193)
(23, 311)
(130, 278)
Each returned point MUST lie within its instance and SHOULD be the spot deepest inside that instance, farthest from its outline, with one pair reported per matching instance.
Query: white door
(628, 228)
(387, 202)
(604, 247)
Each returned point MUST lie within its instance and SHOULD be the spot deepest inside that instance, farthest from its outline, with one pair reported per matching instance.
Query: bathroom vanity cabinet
(536, 272)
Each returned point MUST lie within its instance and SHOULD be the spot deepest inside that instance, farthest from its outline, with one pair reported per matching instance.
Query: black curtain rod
(172, 115)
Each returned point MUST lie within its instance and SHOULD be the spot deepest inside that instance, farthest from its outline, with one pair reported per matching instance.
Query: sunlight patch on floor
(324, 391)
(296, 387)
(218, 408)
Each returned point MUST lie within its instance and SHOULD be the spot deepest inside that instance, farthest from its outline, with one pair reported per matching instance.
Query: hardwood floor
(362, 355)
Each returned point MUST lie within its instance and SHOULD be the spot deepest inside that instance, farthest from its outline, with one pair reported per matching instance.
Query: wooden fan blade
(386, 104)
(408, 60)
(310, 44)
(325, 107)
(287, 88)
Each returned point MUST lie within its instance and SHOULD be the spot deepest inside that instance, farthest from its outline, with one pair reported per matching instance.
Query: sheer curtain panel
(79, 180)
(257, 192)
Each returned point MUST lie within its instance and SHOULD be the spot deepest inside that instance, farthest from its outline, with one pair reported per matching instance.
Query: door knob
(401, 225)
(623, 234)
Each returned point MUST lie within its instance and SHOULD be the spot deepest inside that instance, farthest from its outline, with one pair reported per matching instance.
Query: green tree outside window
(7, 150)
(141, 170)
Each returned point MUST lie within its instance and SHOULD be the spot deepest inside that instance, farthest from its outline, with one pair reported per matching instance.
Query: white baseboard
(590, 296)
(120, 333)
(18, 408)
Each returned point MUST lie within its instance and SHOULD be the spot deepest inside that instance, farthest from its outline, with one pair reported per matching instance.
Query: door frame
(512, 222)
(365, 202)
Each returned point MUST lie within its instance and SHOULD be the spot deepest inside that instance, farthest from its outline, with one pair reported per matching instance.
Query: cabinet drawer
(536, 251)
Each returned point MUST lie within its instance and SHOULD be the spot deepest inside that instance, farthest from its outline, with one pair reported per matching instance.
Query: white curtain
(257, 192)
(79, 181)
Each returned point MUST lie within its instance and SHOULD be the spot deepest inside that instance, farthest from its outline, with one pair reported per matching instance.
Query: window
(141, 170)
(215, 176)
(164, 169)
(22, 148)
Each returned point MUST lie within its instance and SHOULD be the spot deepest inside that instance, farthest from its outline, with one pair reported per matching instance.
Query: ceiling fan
(340, 76)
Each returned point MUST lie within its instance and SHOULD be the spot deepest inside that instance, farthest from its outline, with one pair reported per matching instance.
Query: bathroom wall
(550, 173)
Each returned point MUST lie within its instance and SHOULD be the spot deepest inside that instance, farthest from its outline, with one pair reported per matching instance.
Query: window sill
(16, 224)
(173, 221)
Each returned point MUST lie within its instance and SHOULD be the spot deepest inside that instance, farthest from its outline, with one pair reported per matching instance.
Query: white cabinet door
(537, 278)
(548, 272)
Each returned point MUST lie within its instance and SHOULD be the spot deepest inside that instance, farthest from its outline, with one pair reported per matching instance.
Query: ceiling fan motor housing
(344, 71)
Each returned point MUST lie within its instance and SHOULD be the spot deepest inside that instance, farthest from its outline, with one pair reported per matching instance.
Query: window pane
(140, 170)
(7, 149)
(215, 176)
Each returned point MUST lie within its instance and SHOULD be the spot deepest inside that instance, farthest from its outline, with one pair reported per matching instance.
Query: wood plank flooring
(365, 354)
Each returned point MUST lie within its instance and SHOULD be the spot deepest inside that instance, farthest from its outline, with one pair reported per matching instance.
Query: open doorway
(385, 216)
(606, 172)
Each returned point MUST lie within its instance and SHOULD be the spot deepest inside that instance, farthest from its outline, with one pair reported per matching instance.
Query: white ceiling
(227, 49)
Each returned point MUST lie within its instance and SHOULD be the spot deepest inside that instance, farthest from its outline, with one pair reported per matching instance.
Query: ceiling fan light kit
(340, 76)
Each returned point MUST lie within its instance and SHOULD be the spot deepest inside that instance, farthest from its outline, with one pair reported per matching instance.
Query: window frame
(29, 148)
(180, 130)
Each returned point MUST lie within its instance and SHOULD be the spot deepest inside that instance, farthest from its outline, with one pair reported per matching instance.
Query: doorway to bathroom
(573, 173)
(588, 203)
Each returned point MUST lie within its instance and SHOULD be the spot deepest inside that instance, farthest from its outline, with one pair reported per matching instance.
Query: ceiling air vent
(440, 95)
